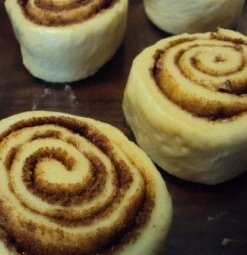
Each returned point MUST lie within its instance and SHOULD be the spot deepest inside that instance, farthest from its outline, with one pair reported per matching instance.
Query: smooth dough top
(191, 16)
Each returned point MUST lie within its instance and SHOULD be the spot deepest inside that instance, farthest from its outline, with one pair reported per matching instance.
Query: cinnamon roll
(191, 16)
(73, 185)
(64, 41)
(186, 102)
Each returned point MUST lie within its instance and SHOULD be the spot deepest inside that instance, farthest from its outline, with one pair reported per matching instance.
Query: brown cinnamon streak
(212, 111)
(59, 20)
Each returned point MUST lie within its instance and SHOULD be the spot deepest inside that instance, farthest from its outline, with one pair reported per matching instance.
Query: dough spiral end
(68, 183)
(193, 85)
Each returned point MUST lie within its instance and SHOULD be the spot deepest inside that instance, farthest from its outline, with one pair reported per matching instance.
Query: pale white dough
(4, 250)
(189, 147)
(178, 16)
(71, 52)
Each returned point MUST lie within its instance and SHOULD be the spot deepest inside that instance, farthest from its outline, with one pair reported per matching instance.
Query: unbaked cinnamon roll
(191, 16)
(186, 102)
(64, 41)
(73, 185)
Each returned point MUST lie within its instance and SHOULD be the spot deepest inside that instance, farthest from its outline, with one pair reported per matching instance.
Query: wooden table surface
(208, 220)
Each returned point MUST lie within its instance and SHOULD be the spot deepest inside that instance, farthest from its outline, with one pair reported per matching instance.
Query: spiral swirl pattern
(56, 12)
(65, 186)
(186, 102)
(205, 75)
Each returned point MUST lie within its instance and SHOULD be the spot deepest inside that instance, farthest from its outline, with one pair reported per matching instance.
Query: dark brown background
(207, 220)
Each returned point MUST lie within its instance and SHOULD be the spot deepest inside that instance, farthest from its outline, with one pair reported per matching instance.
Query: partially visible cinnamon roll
(193, 16)
(186, 102)
(72, 185)
(64, 41)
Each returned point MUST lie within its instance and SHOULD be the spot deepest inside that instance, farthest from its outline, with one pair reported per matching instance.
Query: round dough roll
(186, 103)
(73, 185)
(176, 16)
(64, 41)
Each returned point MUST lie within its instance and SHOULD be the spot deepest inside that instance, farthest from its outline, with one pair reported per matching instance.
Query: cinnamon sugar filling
(214, 110)
(126, 231)
(50, 13)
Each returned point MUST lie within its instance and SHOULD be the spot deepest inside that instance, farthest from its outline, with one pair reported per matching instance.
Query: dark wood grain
(208, 220)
